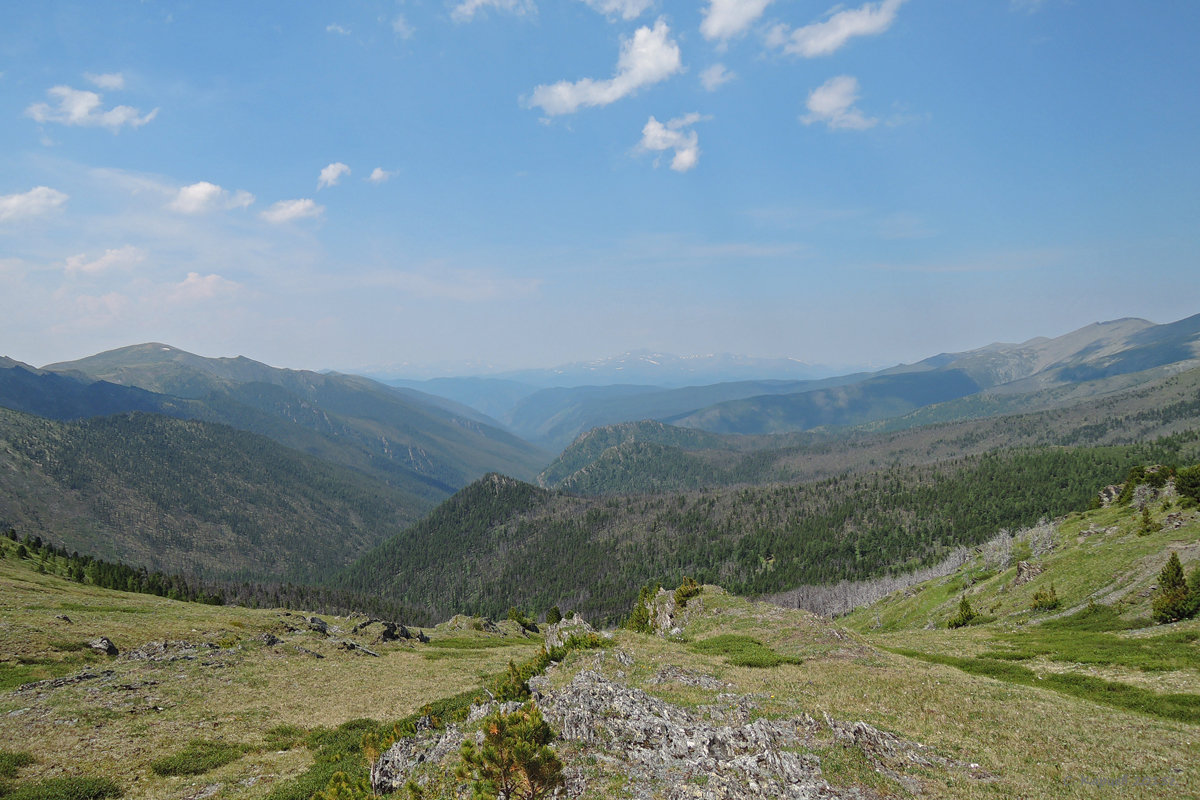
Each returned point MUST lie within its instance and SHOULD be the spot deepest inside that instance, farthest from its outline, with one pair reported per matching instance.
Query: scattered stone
(1109, 494)
(169, 651)
(319, 625)
(63, 617)
(203, 792)
(104, 645)
(1026, 572)
(304, 651)
(393, 632)
(55, 683)
(346, 644)
(687, 677)
(269, 639)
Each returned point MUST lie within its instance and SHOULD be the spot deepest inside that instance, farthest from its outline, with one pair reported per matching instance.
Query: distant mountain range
(553, 417)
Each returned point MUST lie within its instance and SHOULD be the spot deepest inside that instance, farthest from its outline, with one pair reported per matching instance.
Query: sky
(462, 185)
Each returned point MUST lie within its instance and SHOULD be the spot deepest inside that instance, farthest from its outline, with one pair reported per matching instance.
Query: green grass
(64, 789)
(11, 761)
(1164, 653)
(742, 651)
(1179, 707)
(198, 757)
(284, 737)
(475, 643)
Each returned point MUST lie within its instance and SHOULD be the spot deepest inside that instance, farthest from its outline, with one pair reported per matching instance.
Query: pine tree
(1171, 601)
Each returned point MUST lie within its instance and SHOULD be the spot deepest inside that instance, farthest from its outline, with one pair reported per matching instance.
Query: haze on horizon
(382, 182)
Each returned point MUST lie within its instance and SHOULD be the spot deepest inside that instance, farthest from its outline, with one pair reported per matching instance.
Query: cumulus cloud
(724, 19)
(204, 196)
(465, 11)
(715, 77)
(332, 174)
(823, 38)
(107, 80)
(38, 200)
(117, 258)
(833, 103)
(81, 107)
(380, 175)
(625, 9)
(289, 210)
(675, 134)
(196, 287)
(649, 57)
(340, 30)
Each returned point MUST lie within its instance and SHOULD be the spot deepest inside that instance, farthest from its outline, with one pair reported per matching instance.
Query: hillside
(652, 456)
(190, 497)
(499, 542)
(422, 442)
(723, 695)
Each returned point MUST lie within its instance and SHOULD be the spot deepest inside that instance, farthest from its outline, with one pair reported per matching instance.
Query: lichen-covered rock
(104, 646)
(558, 633)
(403, 760)
(1026, 572)
(661, 745)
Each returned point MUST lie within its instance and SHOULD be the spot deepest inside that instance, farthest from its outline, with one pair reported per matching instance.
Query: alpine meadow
(599, 399)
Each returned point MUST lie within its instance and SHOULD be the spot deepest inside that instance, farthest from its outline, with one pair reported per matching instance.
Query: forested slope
(500, 543)
(189, 497)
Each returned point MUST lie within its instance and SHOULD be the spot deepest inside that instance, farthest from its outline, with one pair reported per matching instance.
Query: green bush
(965, 614)
(66, 789)
(1045, 599)
(200, 756)
(1172, 601)
(639, 617)
(686, 591)
(553, 616)
(742, 651)
(515, 759)
(1187, 483)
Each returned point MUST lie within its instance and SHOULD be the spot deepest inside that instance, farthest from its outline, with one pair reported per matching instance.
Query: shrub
(521, 618)
(639, 617)
(1187, 483)
(742, 651)
(964, 616)
(553, 616)
(1045, 599)
(686, 591)
(1148, 525)
(515, 759)
(1172, 600)
(200, 756)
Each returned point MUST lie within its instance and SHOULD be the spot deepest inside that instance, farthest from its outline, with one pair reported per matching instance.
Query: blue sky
(531, 182)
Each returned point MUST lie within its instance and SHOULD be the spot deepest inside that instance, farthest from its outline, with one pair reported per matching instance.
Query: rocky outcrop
(104, 646)
(558, 633)
(1026, 572)
(661, 745)
(403, 760)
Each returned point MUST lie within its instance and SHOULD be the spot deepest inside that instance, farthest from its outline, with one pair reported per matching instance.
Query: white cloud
(674, 135)
(332, 174)
(402, 28)
(625, 9)
(196, 287)
(649, 57)
(38, 200)
(204, 196)
(117, 258)
(288, 210)
(333, 27)
(833, 103)
(380, 175)
(465, 11)
(81, 107)
(823, 38)
(724, 19)
(715, 77)
(107, 80)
